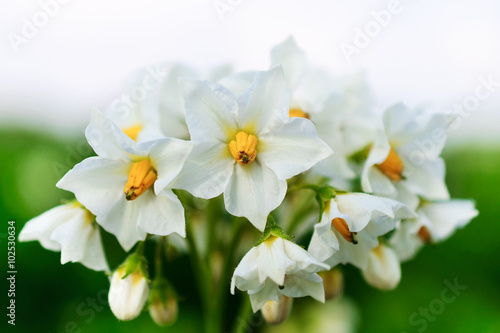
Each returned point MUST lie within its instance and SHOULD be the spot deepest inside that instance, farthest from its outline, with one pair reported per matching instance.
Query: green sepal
(272, 229)
(136, 262)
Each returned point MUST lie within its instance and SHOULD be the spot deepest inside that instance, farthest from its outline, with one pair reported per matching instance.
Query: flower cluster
(264, 140)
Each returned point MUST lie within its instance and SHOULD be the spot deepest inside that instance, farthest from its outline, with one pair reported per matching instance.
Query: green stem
(241, 324)
(304, 207)
(202, 276)
(303, 186)
(200, 269)
(221, 298)
(159, 256)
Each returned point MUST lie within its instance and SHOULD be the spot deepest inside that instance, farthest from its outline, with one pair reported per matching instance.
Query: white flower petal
(305, 262)
(292, 58)
(168, 156)
(360, 207)
(356, 254)
(268, 292)
(383, 221)
(171, 101)
(265, 105)
(238, 82)
(292, 149)
(246, 275)
(372, 179)
(448, 216)
(206, 171)
(302, 284)
(407, 197)
(400, 124)
(107, 140)
(405, 240)
(378, 183)
(97, 183)
(122, 219)
(323, 245)
(81, 242)
(161, 214)
(273, 262)
(429, 140)
(41, 227)
(253, 192)
(427, 180)
(211, 110)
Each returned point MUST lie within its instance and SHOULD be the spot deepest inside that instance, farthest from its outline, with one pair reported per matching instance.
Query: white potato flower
(278, 267)
(436, 221)
(127, 186)
(340, 108)
(404, 160)
(246, 147)
(71, 229)
(350, 227)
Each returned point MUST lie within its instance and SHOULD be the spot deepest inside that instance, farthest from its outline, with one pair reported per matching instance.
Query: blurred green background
(56, 298)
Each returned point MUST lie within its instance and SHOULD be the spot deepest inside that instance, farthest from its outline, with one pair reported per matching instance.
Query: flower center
(269, 241)
(298, 113)
(243, 148)
(133, 131)
(392, 167)
(141, 176)
(342, 227)
(424, 234)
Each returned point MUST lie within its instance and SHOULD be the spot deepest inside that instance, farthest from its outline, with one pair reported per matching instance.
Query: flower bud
(277, 312)
(163, 306)
(333, 282)
(129, 289)
(384, 269)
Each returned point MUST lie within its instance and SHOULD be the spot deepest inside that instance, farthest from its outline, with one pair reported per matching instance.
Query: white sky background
(431, 54)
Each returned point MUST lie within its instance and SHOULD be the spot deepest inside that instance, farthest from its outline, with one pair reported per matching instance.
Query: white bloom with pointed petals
(71, 229)
(278, 267)
(170, 101)
(404, 161)
(384, 269)
(351, 225)
(246, 147)
(309, 86)
(127, 186)
(127, 296)
(436, 221)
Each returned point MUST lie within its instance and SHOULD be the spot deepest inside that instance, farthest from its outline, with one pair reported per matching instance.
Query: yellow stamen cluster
(342, 227)
(243, 148)
(392, 167)
(141, 176)
(298, 113)
(133, 132)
